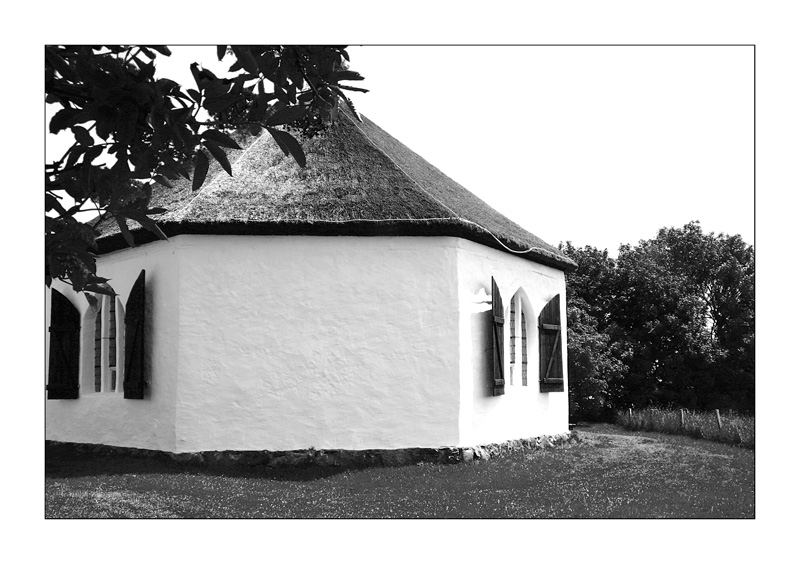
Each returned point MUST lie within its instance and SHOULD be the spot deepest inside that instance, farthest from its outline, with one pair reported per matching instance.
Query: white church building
(366, 301)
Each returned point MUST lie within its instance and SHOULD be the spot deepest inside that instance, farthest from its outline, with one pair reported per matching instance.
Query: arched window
(105, 345)
(517, 340)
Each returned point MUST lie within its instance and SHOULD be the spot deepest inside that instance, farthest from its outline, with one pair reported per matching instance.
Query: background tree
(596, 369)
(132, 130)
(595, 363)
(676, 312)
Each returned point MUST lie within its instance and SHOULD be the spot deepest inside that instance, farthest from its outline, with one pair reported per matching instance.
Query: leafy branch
(132, 130)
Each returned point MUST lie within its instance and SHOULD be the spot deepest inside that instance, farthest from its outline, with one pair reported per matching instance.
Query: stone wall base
(321, 458)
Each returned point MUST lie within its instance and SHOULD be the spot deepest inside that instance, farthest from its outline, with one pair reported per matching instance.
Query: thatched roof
(359, 180)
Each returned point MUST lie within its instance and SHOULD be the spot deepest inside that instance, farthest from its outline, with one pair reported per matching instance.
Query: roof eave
(425, 228)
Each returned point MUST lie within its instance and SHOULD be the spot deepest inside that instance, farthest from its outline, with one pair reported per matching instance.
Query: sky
(598, 146)
(595, 145)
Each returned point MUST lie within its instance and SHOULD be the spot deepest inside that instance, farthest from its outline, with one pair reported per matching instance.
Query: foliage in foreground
(736, 429)
(132, 129)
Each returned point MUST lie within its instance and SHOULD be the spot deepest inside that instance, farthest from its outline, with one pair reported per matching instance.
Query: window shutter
(551, 372)
(98, 346)
(498, 383)
(65, 329)
(134, 341)
(112, 332)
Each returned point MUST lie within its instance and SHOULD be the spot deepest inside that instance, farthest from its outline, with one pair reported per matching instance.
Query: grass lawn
(612, 473)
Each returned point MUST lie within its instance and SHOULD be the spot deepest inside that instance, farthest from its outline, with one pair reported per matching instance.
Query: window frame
(517, 346)
(110, 378)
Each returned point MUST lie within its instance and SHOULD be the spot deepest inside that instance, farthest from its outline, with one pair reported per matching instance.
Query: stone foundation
(322, 458)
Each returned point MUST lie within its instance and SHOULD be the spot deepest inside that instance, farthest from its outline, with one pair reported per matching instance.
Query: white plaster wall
(106, 417)
(324, 342)
(281, 343)
(523, 411)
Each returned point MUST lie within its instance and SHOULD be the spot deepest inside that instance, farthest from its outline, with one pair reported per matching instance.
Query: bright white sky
(596, 145)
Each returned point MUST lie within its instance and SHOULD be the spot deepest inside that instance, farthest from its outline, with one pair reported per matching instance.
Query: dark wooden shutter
(134, 379)
(98, 347)
(112, 332)
(551, 371)
(65, 333)
(498, 382)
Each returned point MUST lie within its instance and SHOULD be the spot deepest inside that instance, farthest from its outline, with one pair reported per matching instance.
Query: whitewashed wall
(324, 342)
(106, 417)
(523, 411)
(279, 343)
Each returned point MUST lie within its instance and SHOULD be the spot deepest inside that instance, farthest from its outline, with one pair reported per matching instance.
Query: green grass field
(613, 473)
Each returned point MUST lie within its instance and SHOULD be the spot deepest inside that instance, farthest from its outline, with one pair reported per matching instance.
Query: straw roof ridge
(359, 180)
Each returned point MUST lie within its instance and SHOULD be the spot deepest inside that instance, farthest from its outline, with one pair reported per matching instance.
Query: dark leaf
(196, 73)
(218, 104)
(147, 222)
(93, 302)
(58, 63)
(220, 138)
(289, 145)
(182, 170)
(346, 75)
(194, 94)
(221, 50)
(73, 156)
(103, 129)
(219, 154)
(63, 119)
(246, 59)
(167, 85)
(163, 49)
(52, 203)
(123, 228)
(268, 64)
(92, 153)
(350, 105)
(200, 170)
(286, 115)
(100, 288)
(259, 107)
(353, 88)
(82, 136)
(163, 181)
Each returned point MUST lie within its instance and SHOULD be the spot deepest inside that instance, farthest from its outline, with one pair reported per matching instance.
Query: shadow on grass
(65, 462)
